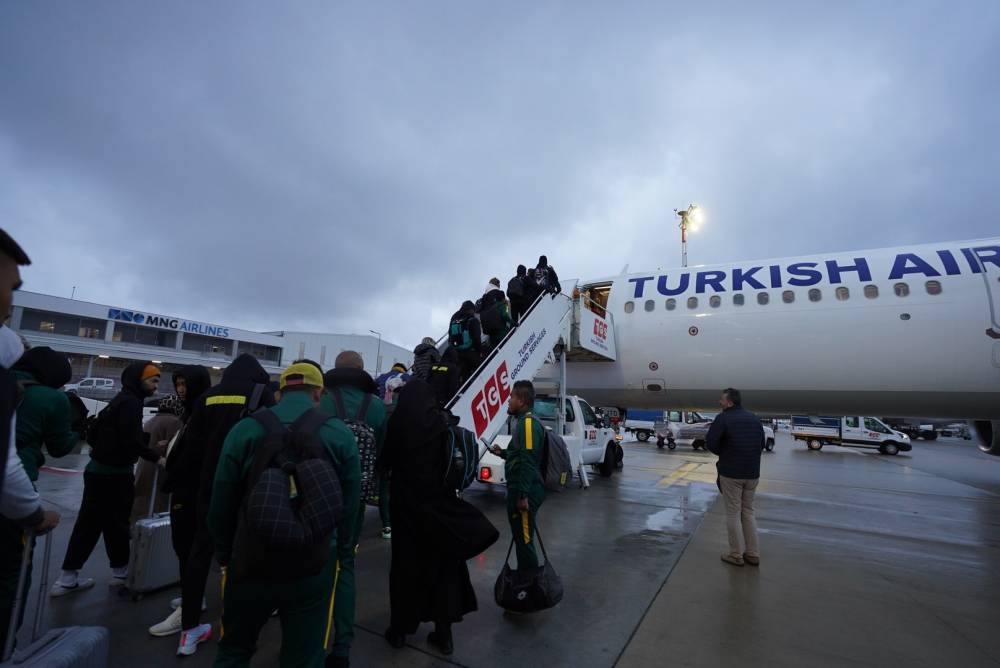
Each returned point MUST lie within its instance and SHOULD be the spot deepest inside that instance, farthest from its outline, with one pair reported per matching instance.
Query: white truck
(849, 431)
(691, 428)
(588, 439)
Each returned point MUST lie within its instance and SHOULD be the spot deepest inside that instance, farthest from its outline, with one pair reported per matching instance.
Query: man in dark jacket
(494, 314)
(425, 355)
(521, 293)
(446, 376)
(737, 437)
(108, 484)
(183, 481)
(242, 390)
(546, 278)
(465, 334)
(44, 418)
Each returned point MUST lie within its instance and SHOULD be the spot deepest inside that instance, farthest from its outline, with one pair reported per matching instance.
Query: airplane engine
(988, 434)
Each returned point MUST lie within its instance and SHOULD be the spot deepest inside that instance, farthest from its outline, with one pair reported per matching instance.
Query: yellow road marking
(682, 472)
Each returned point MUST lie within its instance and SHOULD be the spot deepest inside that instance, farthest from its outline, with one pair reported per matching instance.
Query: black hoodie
(215, 413)
(197, 380)
(120, 440)
(446, 376)
(48, 367)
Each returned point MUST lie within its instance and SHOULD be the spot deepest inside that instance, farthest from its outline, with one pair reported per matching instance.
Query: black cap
(11, 249)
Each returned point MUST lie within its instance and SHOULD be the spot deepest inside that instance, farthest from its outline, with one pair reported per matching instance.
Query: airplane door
(852, 429)
(991, 277)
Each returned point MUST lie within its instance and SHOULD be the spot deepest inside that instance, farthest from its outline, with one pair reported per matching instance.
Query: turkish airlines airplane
(901, 331)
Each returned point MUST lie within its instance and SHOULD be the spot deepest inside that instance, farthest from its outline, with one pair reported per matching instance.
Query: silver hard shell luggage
(152, 562)
(71, 647)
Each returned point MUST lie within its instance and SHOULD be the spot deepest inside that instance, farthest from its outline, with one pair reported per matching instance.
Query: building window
(739, 300)
(933, 287)
(671, 304)
(207, 345)
(692, 302)
(901, 289)
(629, 307)
(144, 336)
(815, 294)
(763, 298)
(649, 305)
(62, 324)
(842, 294)
(266, 353)
(871, 291)
(715, 301)
(788, 296)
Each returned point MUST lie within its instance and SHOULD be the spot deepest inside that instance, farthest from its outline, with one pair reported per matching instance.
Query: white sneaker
(176, 603)
(191, 638)
(169, 626)
(59, 589)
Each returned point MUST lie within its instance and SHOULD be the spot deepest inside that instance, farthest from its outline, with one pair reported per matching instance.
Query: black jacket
(445, 376)
(191, 469)
(424, 357)
(198, 381)
(120, 440)
(467, 315)
(737, 437)
(183, 470)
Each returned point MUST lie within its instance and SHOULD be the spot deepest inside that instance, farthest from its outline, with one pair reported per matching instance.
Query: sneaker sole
(194, 648)
(81, 586)
(164, 634)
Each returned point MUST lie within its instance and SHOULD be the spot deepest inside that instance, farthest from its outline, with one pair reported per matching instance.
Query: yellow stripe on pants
(333, 598)
(222, 596)
(525, 528)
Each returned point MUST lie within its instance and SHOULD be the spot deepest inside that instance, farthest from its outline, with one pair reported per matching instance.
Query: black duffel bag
(530, 589)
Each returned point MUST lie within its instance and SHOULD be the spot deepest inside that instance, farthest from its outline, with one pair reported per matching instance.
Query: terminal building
(101, 340)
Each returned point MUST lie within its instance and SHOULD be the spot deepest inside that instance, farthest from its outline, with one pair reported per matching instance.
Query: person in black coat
(445, 376)
(427, 583)
(468, 340)
(737, 437)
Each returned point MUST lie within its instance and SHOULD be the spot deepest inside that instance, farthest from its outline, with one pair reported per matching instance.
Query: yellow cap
(301, 374)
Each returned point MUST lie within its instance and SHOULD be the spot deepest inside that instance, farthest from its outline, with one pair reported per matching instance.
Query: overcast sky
(343, 167)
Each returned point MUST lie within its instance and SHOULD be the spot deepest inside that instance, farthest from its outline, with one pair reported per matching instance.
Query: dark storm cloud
(333, 167)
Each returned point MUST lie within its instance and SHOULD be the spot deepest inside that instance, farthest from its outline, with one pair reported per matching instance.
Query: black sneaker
(444, 644)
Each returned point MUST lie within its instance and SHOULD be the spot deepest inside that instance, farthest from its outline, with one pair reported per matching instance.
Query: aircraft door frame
(991, 279)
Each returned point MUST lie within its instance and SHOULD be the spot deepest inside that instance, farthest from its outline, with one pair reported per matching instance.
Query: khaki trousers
(740, 520)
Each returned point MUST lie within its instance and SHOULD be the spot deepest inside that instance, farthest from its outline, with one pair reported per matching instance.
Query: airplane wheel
(815, 444)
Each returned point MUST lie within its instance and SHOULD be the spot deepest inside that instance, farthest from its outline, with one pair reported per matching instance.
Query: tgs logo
(601, 329)
(489, 400)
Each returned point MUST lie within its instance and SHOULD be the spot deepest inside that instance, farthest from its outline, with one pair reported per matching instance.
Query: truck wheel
(890, 448)
(607, 467)
(697, 445)
(815, 444)
(642, 435)
(619, 456)
(769, 445)
(671, 445)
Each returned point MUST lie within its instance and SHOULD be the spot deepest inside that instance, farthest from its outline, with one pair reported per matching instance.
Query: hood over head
(49, 367)
(245, 369)
(132, 378)
(522, 270)
(198, 380)
(350, 377)
(425, 348)
(417, 417)
(467, 307)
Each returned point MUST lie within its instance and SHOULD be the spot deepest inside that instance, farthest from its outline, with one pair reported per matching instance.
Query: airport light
(691, 218)
(378, 352)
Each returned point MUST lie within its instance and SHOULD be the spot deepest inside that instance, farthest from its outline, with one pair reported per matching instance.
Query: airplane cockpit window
(815, 295)
(738, 300)
(901, 289)
(851, 422)
(671, 304)
(692, 302)
(649, 305)
(871, 291)
(763, 298)
(629, 307)
(715, 301)
(933, 287)
(788, 296)
(843, 294)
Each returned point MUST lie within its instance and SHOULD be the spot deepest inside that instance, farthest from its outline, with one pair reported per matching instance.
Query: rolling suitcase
(152, 562)
(71, 647)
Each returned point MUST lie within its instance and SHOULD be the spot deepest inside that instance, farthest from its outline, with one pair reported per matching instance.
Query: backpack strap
(255, 395)
(338, 399)
(310, 421)
(363, 409)
(274, 440)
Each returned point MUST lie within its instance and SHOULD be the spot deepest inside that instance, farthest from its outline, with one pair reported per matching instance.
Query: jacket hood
(424, 349)
(358, 378)
(47, 366)
(198, 380)
(132, 379)
(467, 307)
(522, 270)
(245, 369)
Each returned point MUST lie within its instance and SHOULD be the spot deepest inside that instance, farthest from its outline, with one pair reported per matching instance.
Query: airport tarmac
(867, 560)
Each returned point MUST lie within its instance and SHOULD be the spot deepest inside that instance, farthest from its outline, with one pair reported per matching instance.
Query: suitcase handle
(22, 591)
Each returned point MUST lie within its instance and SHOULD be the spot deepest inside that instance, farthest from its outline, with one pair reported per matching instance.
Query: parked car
(93, 387)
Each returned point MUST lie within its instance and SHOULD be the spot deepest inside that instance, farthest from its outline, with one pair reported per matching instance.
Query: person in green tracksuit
(525, 491)
(46, 417)
(304, 604)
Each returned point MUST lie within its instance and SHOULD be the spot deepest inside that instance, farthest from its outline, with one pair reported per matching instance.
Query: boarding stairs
(541, 337)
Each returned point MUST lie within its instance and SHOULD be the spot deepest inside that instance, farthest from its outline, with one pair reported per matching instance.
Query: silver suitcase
(152, 563)
(71, 647)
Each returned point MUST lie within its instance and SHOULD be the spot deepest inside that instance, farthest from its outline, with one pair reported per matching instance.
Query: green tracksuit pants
(522, 528)
(304, 608)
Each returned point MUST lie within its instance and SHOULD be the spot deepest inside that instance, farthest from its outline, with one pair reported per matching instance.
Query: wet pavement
(866, 560)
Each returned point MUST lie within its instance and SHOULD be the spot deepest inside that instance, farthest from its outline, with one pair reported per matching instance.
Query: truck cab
(587, 439)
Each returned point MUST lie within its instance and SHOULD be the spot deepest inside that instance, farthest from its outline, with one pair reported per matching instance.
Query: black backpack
(462, 457)
(515, 288)
(291, 504)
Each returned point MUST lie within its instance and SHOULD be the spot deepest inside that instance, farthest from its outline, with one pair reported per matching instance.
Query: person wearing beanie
(303, 600)
(425, 356)
(117, 442)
